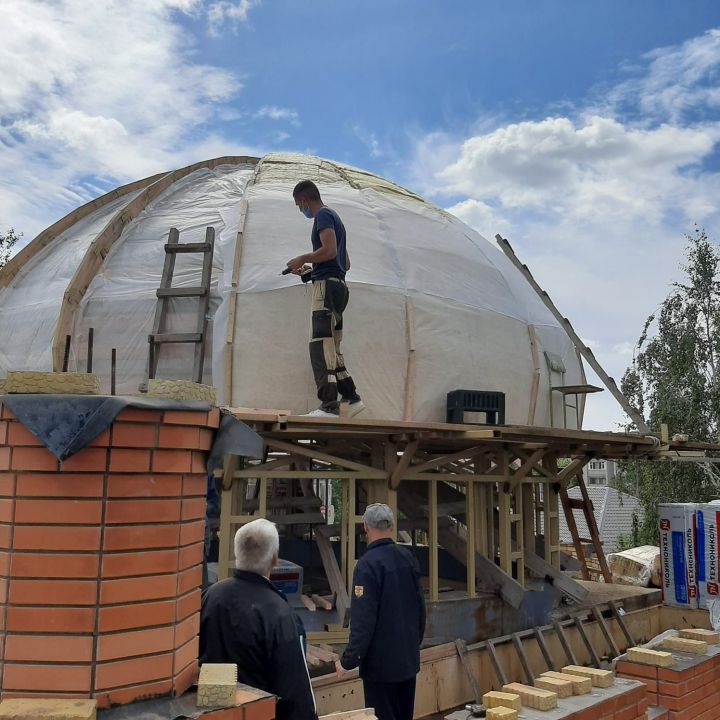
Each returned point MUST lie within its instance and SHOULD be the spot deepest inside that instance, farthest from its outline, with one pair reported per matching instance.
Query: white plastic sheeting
(471, 307)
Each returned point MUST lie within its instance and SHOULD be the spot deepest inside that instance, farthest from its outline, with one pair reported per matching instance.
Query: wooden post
(433, 540)
(344, 532)
(470, 537)
(351, 534)
(225, 554)
(409, 403)
(504, 512)
(535, 386)
(551, 517)
(528, 516)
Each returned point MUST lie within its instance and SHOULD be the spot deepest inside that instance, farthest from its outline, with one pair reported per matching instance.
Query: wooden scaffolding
(490, 496)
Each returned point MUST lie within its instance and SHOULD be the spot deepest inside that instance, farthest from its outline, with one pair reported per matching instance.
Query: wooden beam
(433, 541)
(405, 459)
(566, 585)
(95, 255)
(470, 537)
(332, 571)
(526, 468)
(535, 385)
(310, 452)
(411, 370)
(445, 459)
(586, 352)
(572, 468)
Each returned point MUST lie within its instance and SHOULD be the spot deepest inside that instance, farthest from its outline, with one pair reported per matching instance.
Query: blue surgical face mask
(307, 213)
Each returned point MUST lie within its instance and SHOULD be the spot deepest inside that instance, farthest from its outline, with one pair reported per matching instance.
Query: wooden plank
(181, 292)
(579, 344)
(535, 385)
(469, 673)
(544, 648)
(560, 633)
(403, 464)
(591, 650)
(350, 521)
(333, 574)
(520, 650)
(309, 605)
(562, 582)
(411, 370)
(621, 622)
(597, 614)
(504, 524)
(322, 602)
(526, 468)
(316, 454)
(499, 672)
(470, 537)
(445, 459)
(433, 541)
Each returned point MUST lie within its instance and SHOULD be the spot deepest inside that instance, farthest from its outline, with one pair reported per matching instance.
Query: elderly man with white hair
(246, 621)
(387, 620)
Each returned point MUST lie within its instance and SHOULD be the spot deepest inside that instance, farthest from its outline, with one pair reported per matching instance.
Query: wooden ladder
(584, 503)
(166, 292)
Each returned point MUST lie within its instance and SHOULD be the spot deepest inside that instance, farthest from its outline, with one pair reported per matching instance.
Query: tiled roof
(613, 513)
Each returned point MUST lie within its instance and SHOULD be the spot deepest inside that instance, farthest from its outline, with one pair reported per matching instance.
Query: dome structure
(433, 305)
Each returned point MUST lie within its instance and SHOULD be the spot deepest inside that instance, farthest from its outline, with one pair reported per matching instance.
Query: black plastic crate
(478, 401)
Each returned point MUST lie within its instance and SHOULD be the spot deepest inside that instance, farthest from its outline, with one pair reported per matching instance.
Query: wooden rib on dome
(96, 253)
(15, 264)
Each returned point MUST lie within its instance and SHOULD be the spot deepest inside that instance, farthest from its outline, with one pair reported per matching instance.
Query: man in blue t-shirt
(330, 261)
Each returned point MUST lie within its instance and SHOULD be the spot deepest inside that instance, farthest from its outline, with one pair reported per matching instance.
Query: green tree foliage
(7, 242)
(674, 380)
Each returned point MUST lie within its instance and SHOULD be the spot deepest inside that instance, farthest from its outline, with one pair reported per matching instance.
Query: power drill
(305, 277)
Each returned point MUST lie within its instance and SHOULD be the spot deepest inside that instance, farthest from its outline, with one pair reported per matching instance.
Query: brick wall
(101, 558)
(690, 688)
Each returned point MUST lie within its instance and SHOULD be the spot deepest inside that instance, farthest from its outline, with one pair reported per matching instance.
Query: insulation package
(678, 553)
(638, 566)
(707, 520)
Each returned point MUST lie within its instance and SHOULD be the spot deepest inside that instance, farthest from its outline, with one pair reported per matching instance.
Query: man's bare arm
(326, 251)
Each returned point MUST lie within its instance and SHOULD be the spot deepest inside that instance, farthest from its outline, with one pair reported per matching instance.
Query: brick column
(101, 559)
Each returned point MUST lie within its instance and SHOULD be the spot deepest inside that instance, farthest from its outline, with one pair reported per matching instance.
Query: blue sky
(585, 132)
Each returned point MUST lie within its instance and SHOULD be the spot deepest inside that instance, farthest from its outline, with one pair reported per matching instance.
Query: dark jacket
(387, 615)
(245, 620)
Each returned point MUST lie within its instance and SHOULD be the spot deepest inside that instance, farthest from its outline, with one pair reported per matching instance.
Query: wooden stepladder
(585, 504)
(166, 292)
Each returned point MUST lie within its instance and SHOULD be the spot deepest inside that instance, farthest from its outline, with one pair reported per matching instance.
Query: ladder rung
(188, 247)
(181, 292)
(588, 541)
(176, 338)
(576, 503)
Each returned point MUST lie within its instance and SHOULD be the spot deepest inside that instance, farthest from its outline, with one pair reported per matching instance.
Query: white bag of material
(638, 566)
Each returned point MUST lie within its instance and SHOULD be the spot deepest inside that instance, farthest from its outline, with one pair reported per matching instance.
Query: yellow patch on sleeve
(359, 591)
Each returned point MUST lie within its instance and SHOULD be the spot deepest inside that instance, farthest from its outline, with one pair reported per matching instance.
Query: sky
(587, 133)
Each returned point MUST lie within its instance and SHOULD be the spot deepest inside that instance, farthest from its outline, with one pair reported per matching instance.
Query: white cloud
(117, 94)
(370, 141)
(272, 112)
(225, 13)
(597, 202)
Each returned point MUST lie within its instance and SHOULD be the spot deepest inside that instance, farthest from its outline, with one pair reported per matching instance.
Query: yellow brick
(709, 636)
(532, 697)
(563, 688)
(657, 658)
(581, 685)
(501, 713)
(599, 678)
(47, 709)
(696, 647)
(495, 698)
(217, 685)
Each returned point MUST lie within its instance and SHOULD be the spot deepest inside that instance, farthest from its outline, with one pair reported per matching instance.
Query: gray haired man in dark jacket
(387, 620)
(246, 621)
